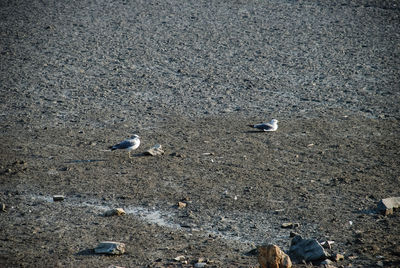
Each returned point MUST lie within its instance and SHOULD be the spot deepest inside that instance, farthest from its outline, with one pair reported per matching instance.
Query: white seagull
(129, 145)
(271, 126)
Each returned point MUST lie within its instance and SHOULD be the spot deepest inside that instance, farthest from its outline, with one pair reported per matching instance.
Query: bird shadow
(85, 252)
(84, 161)
(254, 131)
(140, 154)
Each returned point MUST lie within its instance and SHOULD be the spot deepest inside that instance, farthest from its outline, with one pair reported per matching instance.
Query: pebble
(200, 264)
(181, 204)
(337, 257)
(110, 247)
(58, 198)
(287, 225)
(326, 262)
(179, 258)
(115, 212)
(290, 225)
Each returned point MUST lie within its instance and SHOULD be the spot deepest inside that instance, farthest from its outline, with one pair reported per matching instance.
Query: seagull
(271, 126)
(129, 144)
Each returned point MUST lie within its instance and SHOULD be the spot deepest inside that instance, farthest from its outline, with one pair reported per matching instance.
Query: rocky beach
(80, 76)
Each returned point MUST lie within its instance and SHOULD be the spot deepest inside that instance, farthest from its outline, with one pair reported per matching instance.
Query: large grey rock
(308, 250)
(386, 206)
(110, 247)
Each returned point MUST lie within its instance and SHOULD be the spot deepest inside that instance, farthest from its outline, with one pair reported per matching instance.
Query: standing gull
(271, 126)
(129, 144)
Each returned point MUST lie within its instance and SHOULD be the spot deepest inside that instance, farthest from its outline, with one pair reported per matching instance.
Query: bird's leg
(130, 157)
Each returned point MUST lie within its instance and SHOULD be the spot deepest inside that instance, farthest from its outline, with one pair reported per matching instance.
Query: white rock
(155, 150)
(179, 258)
(387, 205)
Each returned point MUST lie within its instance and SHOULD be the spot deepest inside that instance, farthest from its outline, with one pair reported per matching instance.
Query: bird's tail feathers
(250, 125)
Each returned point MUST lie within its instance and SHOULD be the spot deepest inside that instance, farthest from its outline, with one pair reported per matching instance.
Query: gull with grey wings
(129, 145)
(271, 126)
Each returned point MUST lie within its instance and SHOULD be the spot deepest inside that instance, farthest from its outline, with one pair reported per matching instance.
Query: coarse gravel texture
(79, 76)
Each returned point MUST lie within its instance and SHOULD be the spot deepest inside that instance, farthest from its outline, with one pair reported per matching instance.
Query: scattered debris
(273, 256)
(115, 212)
(327, 263)
(110, 247)
(181, 204)
(57, 198)
(200, 264)
(155, 150)
(308, 250)
(386, 206)
(290, 225)
(180, 258)
(3, 207)
(337, 257)
(293, 234)
(327, 244)
(277, 211)
(208, 153)
(287, 225)
(176, 154)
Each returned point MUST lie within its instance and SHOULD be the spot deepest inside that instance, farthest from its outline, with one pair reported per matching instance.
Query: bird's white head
(135, 136)
(274, 121)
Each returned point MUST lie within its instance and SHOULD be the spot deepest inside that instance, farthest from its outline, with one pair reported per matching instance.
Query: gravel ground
(77, 77)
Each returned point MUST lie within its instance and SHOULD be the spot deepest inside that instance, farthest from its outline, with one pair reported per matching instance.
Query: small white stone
(179, 258)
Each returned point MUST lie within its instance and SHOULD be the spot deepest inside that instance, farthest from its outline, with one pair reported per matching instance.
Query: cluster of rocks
(301, 251)
(201, 262)
(269, 256)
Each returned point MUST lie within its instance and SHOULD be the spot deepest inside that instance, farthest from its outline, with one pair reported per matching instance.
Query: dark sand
(191, 75)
